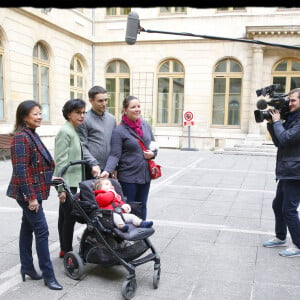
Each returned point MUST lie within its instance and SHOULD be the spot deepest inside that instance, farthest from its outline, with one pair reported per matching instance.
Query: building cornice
(252, 31)
(53, 25)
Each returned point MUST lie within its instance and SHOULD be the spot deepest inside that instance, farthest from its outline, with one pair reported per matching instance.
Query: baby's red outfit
(106, 198)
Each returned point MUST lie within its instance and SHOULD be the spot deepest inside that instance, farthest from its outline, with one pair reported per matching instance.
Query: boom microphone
(262, 104)
(132, 29)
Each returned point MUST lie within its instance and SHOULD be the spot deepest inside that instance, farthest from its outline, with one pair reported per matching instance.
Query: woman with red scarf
(127, 156)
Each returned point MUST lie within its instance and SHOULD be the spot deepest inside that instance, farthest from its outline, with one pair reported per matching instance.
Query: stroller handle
(71, 163)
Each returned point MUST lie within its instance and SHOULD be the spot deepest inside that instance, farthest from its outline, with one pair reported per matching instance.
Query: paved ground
(211, 214)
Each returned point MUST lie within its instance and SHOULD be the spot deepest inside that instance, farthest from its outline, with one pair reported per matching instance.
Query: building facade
(52, 55)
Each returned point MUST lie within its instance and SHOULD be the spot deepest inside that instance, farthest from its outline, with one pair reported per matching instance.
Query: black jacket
(286, 137)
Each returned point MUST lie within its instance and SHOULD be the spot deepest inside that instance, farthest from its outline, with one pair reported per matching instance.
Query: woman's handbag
(154, 168)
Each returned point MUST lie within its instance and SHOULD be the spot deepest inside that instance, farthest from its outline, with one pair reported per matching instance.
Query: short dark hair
(96, 90)
(296, 90)
(71, 105)
(23, 110)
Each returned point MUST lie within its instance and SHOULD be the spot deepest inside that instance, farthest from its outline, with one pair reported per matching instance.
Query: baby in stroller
(104, 243)
(107, 198)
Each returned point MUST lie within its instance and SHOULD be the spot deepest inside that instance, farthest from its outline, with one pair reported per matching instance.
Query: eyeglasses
(81, 113)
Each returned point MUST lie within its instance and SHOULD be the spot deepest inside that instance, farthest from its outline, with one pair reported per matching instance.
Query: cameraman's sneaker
(275, 243)
(290, 252)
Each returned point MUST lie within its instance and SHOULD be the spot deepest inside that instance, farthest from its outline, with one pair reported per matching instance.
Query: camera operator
(286, 137)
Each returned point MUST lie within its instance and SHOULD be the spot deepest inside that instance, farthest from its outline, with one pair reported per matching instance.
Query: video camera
(278, 101)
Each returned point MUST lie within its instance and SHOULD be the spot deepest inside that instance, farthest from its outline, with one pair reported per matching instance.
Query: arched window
(76, 78)
(287, 73)
(117, 80)
(227, 93)
(1, 84)
(41, 79)
(170, 92)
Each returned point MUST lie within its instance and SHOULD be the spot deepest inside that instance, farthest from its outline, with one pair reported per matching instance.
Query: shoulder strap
(141, 144)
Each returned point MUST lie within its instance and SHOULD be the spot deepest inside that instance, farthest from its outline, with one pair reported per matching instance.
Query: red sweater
(105, 199)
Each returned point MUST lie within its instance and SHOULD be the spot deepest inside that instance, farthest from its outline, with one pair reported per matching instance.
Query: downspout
(93, 47)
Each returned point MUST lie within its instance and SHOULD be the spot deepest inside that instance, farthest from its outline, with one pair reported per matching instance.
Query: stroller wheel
(156, 277)
(73, 265)
(129, 288)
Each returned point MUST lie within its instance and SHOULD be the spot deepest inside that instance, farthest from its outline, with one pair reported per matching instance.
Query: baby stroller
(104, 244)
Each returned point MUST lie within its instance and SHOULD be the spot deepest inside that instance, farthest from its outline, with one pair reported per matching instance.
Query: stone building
(52, 55)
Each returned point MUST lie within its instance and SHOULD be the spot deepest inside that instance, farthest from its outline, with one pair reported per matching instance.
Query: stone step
(252, 153)
(251, 149)
(262, 146)
(264, 149)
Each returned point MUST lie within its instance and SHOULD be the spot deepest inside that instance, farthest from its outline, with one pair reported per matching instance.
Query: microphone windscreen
(262, 104)
(133, 24)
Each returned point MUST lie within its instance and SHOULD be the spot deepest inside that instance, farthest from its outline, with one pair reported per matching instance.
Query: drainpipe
(93, 47)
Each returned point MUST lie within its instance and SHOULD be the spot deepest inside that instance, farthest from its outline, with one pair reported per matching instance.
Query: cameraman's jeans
(285, 206)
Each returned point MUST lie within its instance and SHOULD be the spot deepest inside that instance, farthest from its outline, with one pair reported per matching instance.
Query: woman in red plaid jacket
(30, 184)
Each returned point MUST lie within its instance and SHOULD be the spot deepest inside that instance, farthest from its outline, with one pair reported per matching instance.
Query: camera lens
(261, 115)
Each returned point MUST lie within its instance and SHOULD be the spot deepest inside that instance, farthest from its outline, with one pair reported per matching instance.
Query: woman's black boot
(32, 274)
(52, 284)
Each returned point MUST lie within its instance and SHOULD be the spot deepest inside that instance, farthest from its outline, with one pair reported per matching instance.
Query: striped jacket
(33, 167)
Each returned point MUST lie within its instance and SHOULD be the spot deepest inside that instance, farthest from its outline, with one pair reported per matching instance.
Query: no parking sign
(188, 118)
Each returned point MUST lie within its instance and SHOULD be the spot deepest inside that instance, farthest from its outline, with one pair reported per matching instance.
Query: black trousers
(66, 223)
(34, 224)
